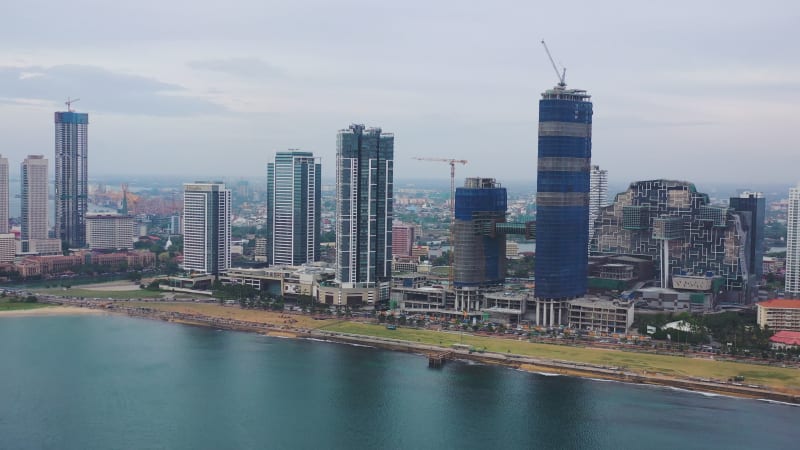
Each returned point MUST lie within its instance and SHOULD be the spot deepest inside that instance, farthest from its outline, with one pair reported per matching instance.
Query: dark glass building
(364, 173)
(293, 208)
(754, 206)
(562, 193)
(480, 252)
(71, 194)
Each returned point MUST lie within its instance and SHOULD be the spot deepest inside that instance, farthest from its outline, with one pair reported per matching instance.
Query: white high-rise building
(33, 178)
(793, 244)
(3, 195)
(206, 227)
(598, 195)
(110, 231)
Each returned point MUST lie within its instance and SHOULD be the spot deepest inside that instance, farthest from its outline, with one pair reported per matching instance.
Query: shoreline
(51, 311)
(513, 361)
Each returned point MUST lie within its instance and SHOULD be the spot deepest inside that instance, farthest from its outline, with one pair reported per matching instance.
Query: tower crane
(69, 103)
(562, 77)
(452, 163)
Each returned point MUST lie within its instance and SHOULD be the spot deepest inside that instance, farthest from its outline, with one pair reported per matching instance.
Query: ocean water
(112, 382)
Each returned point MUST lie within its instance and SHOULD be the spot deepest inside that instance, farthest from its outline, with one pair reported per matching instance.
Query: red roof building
(785, 339)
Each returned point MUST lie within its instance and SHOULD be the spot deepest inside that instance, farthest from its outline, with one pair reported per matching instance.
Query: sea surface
(113, 382)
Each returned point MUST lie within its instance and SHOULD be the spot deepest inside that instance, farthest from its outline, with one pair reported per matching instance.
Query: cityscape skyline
(720, 93)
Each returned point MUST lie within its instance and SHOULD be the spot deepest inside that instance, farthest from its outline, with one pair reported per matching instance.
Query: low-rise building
(7, 247)
(785, 339)
(600, 315)
(779, 314)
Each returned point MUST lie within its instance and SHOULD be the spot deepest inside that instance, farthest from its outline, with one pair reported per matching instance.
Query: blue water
(111, 382)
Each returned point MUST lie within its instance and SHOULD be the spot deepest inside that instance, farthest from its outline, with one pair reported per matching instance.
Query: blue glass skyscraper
(562, 193)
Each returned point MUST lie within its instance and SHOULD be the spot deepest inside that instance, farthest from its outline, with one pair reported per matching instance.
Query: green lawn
(6, 305)
(89, 293)
(639, 362)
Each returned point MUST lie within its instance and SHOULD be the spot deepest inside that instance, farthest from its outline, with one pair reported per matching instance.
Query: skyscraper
(3, 195)
(753, 207)
(479, 250)
(793, 244)
(598, 194)
(294, 183)
(364, 172)
(71, 177)
(206, 227)
(562, 193)
(34, 186)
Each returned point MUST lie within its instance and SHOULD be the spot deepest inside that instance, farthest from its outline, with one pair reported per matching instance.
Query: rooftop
(786, 337)
(780, 303)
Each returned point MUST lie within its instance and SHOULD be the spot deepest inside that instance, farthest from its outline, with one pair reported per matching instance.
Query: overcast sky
(706, 91)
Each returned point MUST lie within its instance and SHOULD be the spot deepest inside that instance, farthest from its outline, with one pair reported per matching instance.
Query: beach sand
(52, 311)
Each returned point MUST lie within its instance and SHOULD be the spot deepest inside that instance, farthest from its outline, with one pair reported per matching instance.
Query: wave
(777, 402)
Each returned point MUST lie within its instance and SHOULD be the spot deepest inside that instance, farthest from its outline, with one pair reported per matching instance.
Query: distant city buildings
(402, 239)
(207, 227)
(3, 195)
(793, 244)
(294, 183)
(562, 193)
(110, 231)
(598, 194)
(71, 161)
(364, 173)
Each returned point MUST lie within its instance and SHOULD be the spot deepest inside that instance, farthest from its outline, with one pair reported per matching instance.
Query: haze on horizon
(700, 91)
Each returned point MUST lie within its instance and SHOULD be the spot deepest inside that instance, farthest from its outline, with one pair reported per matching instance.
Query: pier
(437, 360)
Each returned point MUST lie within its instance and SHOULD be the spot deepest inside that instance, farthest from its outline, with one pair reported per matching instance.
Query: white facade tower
(793, 244)
(207, 227)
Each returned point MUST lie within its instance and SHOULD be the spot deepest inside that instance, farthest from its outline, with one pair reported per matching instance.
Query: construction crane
(562, 77)
(452, 163)
(69, 103)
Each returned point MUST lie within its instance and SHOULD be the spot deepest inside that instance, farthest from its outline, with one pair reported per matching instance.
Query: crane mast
(562, 76)
(452, 163)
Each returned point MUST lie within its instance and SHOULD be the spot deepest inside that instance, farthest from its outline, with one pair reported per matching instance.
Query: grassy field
(639, 362)
(6, 305)
(91, 293)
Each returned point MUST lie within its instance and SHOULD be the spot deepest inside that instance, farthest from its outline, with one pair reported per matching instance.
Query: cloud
(239, 67)
(101, 90)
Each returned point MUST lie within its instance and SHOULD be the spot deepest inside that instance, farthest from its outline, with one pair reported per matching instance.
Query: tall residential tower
(364, 172)
(71, 177)
(206, 227)
(294, 183)
(562, 193)
(793, 244)
(34, 186)
(3, 195)
(598, 194)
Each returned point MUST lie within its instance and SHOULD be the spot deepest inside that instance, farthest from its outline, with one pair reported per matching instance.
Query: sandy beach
(51, 311)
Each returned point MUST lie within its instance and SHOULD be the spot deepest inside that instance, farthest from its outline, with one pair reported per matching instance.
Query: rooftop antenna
(561, 76)
(70, 101)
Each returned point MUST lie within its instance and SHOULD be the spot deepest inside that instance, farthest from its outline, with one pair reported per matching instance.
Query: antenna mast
(561, 76)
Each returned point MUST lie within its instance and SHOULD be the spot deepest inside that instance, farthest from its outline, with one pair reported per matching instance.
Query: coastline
(51, 311)
(513, 361)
